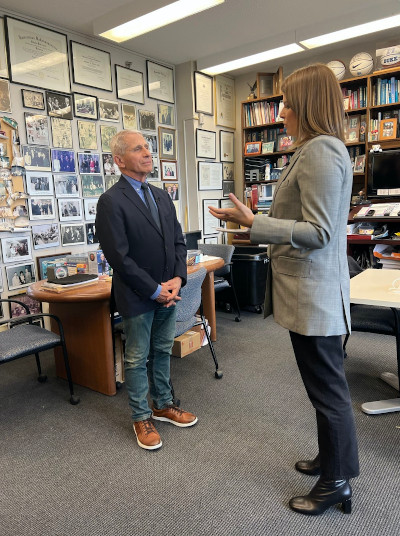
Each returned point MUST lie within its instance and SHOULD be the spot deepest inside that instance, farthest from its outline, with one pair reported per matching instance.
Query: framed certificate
(210, 223)
(225, 101)
(160, 82)
(91, 66)
(129, 84)
(203, 93)
(37, 56)
(3, 52)
(205, 143)
(226, 146)
(210, 175)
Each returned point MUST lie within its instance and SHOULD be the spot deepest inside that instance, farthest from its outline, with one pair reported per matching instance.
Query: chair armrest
(29, 318)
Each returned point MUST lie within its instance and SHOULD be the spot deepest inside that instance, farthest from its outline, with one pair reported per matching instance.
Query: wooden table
(378, 287)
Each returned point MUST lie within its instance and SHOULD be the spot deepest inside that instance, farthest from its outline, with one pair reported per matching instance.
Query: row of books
(385, 91)
(357, 97)
(262, 113)
(260, 196)
(264, 135)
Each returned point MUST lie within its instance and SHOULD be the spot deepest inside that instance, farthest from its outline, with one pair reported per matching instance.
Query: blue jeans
(149, 340)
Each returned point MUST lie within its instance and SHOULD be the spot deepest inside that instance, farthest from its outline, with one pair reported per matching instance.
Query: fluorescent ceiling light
(158, 18)
(253, 59)
(353, 31)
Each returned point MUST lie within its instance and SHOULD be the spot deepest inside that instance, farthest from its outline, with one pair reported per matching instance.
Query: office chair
(223, 277)
(25, 338)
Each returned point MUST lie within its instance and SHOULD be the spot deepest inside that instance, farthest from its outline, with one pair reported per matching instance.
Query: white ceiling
(230, 25)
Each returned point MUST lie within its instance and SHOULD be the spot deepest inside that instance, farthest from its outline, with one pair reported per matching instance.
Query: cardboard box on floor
(186, 343)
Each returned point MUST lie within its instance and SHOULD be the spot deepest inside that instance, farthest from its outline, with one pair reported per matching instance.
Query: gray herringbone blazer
(306, 230)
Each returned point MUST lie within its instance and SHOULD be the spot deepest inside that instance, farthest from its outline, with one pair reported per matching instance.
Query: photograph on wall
(16, 310)
(1, 288)
(62, 160)
(147, 120)
(129, 117)
(16, 248)
(166, 114)
(224, 101)
(92, 185)
(66, 185)
(69, 209)
(130, 85)
(91, 66)
(39, 183)
(85, 106)
(41, 208)
(3, 53)
(228, 187)
(20, 275)
(203, 93)
(108, 110)
(89, 162)
(32, 99)
(61, 132)
(5, 101)
(166, 139)
(210, 175)
(20, 213)
(109, 166)
(45, 236)
(59, 105)
(172, 189)
(110, 180)
(155, 170)
(168, 170)
(160, 82)
(152, 142)
(226, 146)
(228, 171)
(72, 234)
(37, 129)
(44, 260)
(91, 236)
(87, 135)
(210, 223)
(36, 158)
(106, 134)
(90, 207)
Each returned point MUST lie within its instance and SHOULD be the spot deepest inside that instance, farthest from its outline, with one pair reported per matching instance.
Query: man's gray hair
(118, 142)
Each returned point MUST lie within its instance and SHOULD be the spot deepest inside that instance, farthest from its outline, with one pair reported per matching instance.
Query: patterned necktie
(151, 205)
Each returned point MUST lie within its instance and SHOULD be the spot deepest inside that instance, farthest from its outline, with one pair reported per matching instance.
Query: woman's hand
(238, 214)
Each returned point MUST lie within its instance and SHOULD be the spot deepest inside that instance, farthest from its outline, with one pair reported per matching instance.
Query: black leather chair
(25, 337)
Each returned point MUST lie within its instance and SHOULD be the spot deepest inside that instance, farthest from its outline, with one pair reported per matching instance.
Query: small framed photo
(226, 146)
(172, 189)
(109, 166)
(5, 101)
(129, 116)
(87, 135)
(210, 175)
(59, 105)
(130, 85)
(44, 260)
(92, 185)
(32, 99)
(252, 148)
(89, 162)
(359, 163)
(152, 142)
(154, 174)
(20, 275)
(16, 248)
(91, 66)
(41, 208)
(37, 129)
(167, 141)
(45, 236)
(39, 183)
(36, 158)
(34, 306)
(228, 171)
(160, 82)
(388, 129)
(72, 234)
(210, 223)
(106, 134)
(85, 106)
(61, 132)
(353, 128)
(284, 142)
(205, 143)
(110, 180)
(62, 161)
(203, 93)
(91, 236)
(108, 110)
(147, 120)
(165, 114)
(69, 209)
(267, 147)
(168, 170)
(228, 187)
(90, 207)
(66, 185)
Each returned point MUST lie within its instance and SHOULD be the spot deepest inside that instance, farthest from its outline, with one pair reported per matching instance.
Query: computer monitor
(384, 174)
(191, 239)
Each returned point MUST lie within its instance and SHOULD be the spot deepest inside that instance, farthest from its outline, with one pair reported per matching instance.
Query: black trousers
(320, 361)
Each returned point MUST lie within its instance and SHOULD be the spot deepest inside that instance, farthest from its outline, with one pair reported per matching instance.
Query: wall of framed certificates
(63, 117)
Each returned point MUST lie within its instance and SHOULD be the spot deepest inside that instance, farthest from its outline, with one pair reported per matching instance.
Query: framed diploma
(203, 93)
(210, 175)
(205, 143)
(3, 52)
(160, 82)
(91, 66)
(226, 145)
(225, 101)
(37, 56)
(210, 223)
(129, 84)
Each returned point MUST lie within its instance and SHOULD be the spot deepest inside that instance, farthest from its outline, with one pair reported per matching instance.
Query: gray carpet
(77, 470)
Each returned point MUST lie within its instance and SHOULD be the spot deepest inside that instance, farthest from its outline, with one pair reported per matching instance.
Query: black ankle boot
(324, 494)
(309, 467)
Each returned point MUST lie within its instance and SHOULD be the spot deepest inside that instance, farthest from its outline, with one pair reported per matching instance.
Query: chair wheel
(118, 385)
(228, 307)
(237, 319)
(258, 309)
(42, 378)
(74, 400)
(218, 374)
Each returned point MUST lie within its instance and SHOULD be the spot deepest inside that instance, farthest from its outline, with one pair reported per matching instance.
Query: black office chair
(223, 277)
(24, 337)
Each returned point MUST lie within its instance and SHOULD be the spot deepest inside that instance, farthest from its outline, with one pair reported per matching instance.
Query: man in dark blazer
(142, 241)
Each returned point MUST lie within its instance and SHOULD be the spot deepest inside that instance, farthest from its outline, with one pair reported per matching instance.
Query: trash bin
(249, 269)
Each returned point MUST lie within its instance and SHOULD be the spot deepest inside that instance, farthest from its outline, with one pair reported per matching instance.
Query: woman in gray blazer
(308, 283)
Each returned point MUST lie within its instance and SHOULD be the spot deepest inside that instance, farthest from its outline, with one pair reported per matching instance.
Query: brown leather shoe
(147, 435)
(175, 415)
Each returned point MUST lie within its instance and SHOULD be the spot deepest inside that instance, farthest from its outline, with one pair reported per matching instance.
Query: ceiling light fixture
(158, 18)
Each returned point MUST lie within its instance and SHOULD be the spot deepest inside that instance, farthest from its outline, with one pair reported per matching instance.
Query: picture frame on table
(85, 106)
(72, 234)
(108, 110)
(210, 175)
(63, 161)
(16, 310)
(165, 114)
(225, 102)
(284, 142)
(59, 105)
(16, 248)
(45, 235)
(129, 116)
(66, 185)
(91, 236)
(130, 84)
(41, 208)
(70, 209)
(89, 163)
(160, 82)
(107, 132)
(252, 148)
(169, 171)
(210, 223)
(87, 135)
(228, 171)
(90, 209)
(3, 52)
(147, 120)
(20, 275)
(206, 141)
(28, 63)
(265, 85)
(226, 140)
(359, 163)
(167, 143)
(92, 185)
(90, 66)
(151, 139)
(203, 93)
(32, 99)
(388, 129)
(44, 260)
(228, 187)
(37, 129)
(5, 100)
(267, 147)
(109, 166)
(36, 158)
(39, 183)
(61, 132)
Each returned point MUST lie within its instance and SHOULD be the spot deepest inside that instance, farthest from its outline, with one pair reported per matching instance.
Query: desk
(374, 287)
